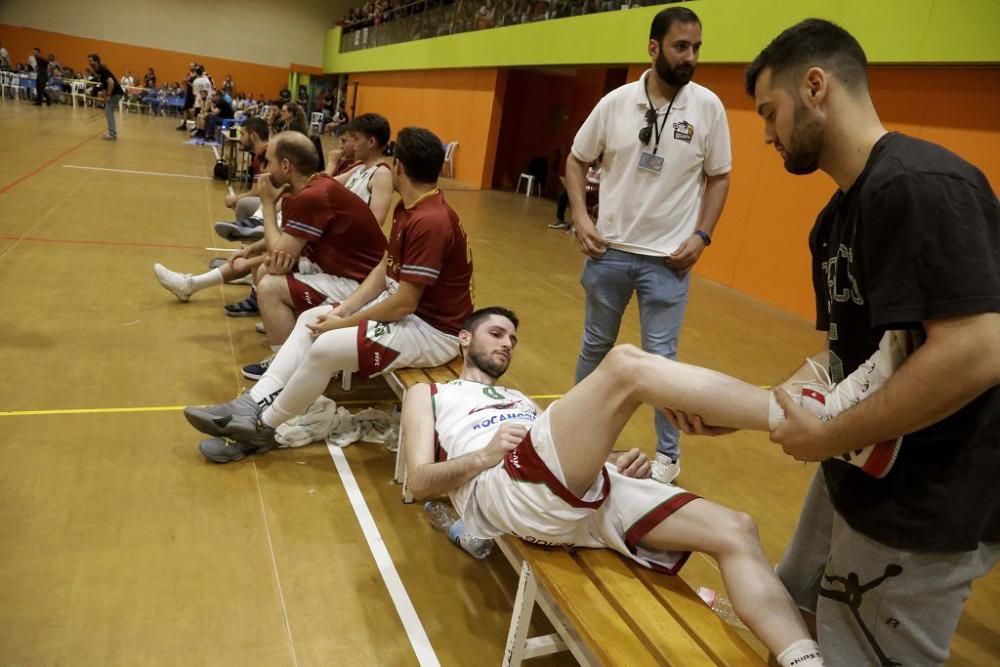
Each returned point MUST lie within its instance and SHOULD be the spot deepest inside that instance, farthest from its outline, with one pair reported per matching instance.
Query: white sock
(274, 349)
(803, 653)
(265, 390)
(213, 277)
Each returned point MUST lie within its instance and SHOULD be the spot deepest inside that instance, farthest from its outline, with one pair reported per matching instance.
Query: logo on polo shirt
(683, 131)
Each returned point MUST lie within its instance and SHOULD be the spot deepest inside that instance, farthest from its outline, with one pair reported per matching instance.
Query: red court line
(111, 243)
(45, 164)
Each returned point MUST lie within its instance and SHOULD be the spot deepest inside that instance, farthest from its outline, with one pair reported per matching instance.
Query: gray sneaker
(232, 231)
(217, 263)
(224, 450)
(250, 431)
(213, 419)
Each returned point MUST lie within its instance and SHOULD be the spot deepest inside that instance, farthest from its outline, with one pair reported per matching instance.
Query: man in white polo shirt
(666, 163)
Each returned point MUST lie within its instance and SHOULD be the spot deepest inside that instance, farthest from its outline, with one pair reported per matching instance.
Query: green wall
(892, 31)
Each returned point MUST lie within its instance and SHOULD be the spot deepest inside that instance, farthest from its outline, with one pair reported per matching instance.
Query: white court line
(400, 598)
(142, 173)
(223, 249)
(274, 566)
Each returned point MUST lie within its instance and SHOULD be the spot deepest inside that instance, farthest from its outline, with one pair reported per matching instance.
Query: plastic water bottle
(446, 519)
(721, 605)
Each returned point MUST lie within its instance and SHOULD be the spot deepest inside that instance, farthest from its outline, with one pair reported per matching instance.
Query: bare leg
(275, 302)
(730, 537)
(587, 421)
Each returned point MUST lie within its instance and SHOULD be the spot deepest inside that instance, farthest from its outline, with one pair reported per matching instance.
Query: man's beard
(487, 363)
(803, 149)
(675, 76)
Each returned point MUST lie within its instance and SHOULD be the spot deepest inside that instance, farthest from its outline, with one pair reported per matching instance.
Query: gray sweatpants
(876, 605)
(246, 207)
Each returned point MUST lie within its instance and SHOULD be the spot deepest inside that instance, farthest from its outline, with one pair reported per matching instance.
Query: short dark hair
(420, 152)
(812, 43)
(93, 56)
(298, 149)
(199, 70)
(372, 125)
(476, 318)
(660, 26)
(258, 126)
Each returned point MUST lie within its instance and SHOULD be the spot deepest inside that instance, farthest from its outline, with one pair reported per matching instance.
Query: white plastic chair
(449, 158)
(315, 121)
(531, 183)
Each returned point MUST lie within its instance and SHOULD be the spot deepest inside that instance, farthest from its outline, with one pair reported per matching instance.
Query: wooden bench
(606, 610)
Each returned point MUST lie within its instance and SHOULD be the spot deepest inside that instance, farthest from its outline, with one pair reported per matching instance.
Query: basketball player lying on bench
(474, 441)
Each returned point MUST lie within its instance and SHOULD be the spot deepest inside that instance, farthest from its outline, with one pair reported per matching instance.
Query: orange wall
(169, 65)
(760, 245)
(457, 105)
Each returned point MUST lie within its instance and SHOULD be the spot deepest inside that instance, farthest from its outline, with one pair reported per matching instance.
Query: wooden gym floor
(120, 545)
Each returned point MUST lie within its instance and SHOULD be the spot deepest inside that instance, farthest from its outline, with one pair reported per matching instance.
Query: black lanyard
(658, 127)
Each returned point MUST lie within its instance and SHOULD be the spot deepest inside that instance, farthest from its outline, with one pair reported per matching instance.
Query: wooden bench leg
(399, 475)
(519, 646)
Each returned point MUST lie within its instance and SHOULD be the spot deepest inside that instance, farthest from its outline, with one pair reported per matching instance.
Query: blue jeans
(609, 282)
(110, 106)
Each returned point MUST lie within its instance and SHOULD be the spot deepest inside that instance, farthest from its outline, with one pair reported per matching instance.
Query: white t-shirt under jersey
(641, 211)
(466, 415)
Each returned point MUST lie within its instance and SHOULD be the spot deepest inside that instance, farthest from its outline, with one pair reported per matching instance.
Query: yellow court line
(159, 408)
(90, 411)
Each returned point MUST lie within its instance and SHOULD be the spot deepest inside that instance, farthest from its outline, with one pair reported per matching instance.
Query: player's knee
(269, 285)
(740, 531)
(330, 352)
(622, 360)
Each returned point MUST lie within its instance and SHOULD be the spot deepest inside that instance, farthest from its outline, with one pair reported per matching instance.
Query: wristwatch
(704, 237)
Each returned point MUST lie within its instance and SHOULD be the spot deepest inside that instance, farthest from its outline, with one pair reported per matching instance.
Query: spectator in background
(486, 16)
(303, 99)
(293, 117)
(227, 86)
(112, 93)
(340, 118)
(41, 79)
(188, 96)
(149, 81)
(221, 110)
(4, 59)
(128, 80)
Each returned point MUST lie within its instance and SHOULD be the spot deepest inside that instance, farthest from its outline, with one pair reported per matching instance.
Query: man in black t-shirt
(41, 79)
(112, 93)
(909, 242)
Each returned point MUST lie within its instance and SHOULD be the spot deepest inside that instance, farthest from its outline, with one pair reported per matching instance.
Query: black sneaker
(256, 371)
(245, 308)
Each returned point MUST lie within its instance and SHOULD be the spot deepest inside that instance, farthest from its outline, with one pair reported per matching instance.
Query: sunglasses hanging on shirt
(651, 161)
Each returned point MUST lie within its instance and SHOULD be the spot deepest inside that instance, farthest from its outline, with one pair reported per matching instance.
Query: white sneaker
(179, 284)
(826, 400)
(665, 469)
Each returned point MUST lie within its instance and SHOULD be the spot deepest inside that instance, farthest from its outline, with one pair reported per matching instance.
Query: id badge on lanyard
(650, 162)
